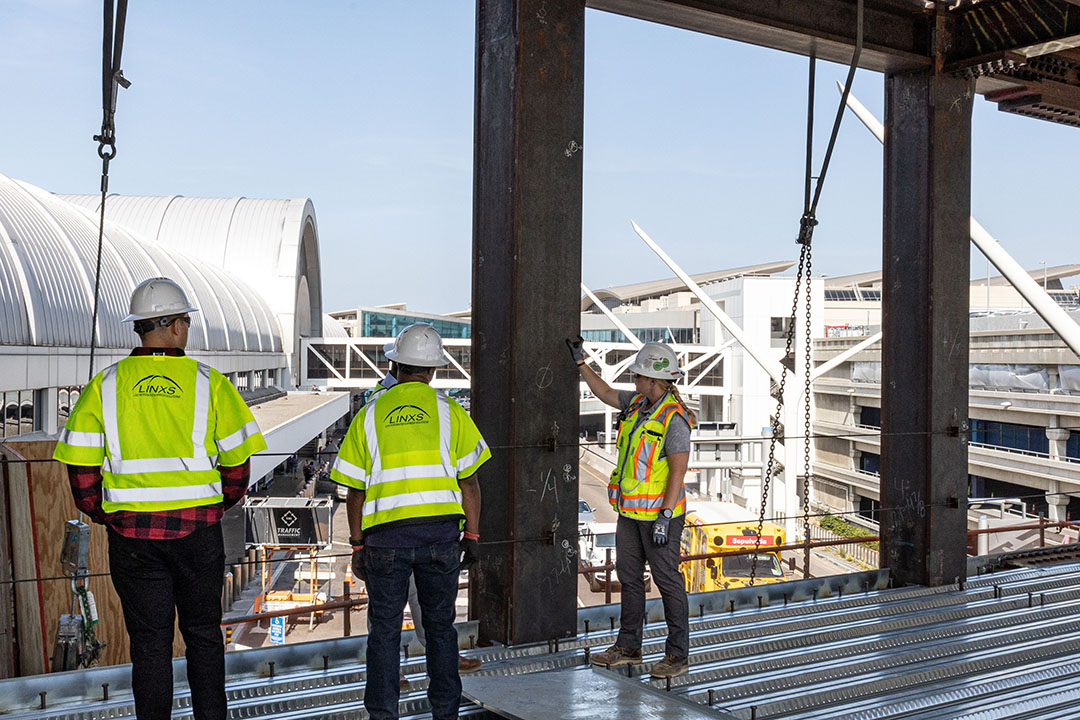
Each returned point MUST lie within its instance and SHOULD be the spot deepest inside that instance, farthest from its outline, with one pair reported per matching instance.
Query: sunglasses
(186, 320)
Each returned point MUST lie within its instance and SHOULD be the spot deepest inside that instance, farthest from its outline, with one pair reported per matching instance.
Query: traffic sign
(277, 630)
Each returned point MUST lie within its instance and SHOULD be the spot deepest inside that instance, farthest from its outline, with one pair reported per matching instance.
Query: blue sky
(366, 108)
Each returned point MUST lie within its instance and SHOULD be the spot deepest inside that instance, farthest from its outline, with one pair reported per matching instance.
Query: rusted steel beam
(530, 72)
(926, 261)
(897, 32)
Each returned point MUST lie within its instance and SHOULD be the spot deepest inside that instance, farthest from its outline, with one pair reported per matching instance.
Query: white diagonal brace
(1058, 320)
(774, 369)
(611, 316)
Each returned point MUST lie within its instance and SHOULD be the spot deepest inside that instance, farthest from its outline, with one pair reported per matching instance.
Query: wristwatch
(666, 513)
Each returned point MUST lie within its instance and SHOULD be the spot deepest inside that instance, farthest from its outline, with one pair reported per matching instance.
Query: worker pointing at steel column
(157, 450)
(410, 459)
(646, 489)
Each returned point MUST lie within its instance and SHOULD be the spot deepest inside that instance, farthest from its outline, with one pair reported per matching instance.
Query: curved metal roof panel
(254, 239)
(48, 255)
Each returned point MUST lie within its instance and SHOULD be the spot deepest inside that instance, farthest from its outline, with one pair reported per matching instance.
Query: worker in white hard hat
(646, 489)
(465, 664)
(410, 459)
(157, 450)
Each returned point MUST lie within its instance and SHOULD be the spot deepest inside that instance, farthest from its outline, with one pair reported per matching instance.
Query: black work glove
(470, 553)
(576, 349)
(660, 530)
(358, 564)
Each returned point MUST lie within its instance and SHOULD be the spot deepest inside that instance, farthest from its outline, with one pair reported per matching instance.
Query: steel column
(925, 324)
(530, 58)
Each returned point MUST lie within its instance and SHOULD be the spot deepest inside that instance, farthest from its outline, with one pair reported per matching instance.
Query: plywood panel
(28, 599)
(54, 506)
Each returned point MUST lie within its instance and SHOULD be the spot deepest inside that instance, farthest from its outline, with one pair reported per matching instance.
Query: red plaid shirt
(164, 524)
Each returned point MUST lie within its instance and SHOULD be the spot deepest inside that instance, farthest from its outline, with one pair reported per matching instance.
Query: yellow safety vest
(638, 483)
(159, 425)
(406, 449)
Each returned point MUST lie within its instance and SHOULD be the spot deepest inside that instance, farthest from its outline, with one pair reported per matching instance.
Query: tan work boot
(671, 666)
(468, 665)
(615, 656)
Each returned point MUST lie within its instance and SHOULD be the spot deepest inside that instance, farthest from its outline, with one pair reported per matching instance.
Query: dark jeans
(633, 546)
(153, 578)
(435, 568)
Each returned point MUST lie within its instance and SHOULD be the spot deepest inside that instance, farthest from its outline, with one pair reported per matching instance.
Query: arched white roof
(270, 244)
(48, 255)
(331, 328)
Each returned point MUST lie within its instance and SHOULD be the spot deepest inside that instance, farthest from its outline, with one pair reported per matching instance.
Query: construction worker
(409, 459)
(646, 489)
(157, 450)
(465, 664)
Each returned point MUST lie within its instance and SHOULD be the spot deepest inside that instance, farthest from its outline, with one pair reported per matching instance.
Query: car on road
(585, 514)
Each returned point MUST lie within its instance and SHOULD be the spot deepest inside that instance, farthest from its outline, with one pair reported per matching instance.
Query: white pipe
(844, 356)
(1058, 320)
(611, 316)
(774, 369)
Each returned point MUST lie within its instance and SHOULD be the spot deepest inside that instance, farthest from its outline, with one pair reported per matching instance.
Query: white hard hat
(419, 345)
(158, 297)
(656, 360)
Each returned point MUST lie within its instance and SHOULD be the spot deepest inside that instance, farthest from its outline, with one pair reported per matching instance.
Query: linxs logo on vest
(158, 386)
(407, 415)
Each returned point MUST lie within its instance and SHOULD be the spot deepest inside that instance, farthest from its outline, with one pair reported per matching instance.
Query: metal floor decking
(1007, 645)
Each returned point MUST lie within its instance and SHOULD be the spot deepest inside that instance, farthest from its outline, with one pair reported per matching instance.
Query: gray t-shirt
(677, 437)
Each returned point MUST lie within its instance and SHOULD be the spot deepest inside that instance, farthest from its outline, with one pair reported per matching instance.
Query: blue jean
(436, 569)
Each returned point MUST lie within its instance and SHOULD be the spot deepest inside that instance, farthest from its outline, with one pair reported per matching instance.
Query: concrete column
(530, 61)
(925, 323)
(1057, 501)
(1058, 437)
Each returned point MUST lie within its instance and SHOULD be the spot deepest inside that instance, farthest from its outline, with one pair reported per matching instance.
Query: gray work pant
(633, 547)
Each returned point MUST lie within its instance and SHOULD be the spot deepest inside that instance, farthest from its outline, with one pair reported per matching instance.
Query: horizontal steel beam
(897, 35)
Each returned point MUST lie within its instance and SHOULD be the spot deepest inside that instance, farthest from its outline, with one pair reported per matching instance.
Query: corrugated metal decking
(1007, 645)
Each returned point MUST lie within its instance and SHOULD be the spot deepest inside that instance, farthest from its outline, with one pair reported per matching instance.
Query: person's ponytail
(670, 387)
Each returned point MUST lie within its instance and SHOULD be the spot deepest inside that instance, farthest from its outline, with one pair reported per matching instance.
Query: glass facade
(870, 416)
(19, 416)
(870, 462)
(66, 399)
(1007, 435)
(847, 295)
(375, 323)
(677, 335)
(1072, 445)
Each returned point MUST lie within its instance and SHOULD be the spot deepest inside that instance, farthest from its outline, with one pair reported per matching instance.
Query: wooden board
(28, 599)
(53, 507)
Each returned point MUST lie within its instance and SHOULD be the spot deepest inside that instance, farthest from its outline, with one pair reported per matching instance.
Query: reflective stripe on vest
(158, 494)
(82, 439)
(237, 438)
(380, 501)
(115, 466)
(640, 493)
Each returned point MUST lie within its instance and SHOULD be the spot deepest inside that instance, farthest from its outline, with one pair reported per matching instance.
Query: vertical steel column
(925, 322)
(530, 57)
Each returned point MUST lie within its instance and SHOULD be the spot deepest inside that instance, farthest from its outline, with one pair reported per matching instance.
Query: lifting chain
(807, 223)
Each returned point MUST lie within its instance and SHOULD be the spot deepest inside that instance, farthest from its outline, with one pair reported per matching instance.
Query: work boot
(615, 656)
(671, 666)
(468, 665)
